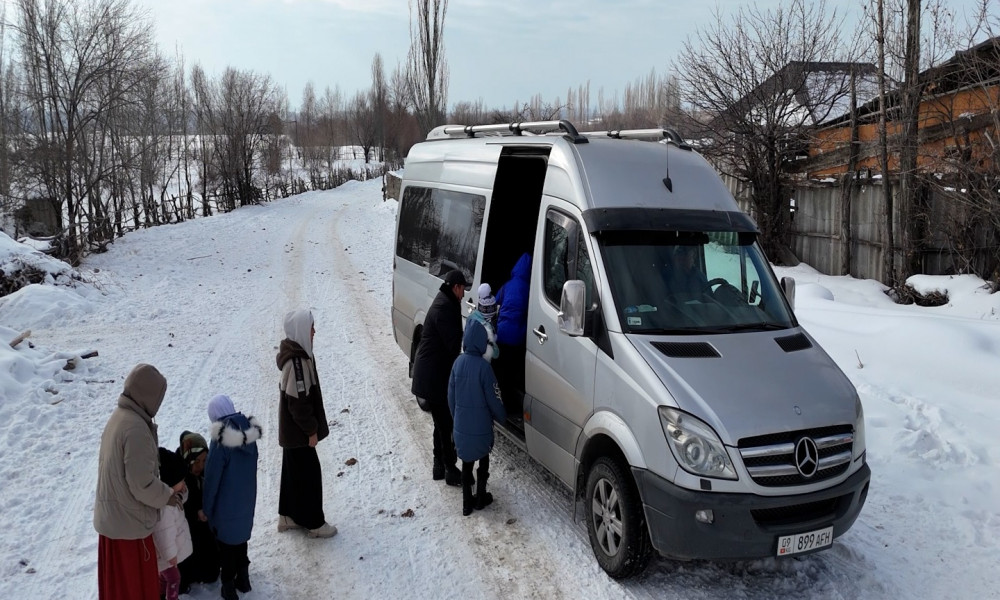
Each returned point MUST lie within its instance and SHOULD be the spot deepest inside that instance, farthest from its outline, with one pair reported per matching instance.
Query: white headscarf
(298, 328)
(220, 406)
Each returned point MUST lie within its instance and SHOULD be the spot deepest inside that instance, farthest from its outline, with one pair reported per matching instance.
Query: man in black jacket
(440, 344)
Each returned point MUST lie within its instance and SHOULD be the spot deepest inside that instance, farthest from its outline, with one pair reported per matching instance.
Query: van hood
(752, 383)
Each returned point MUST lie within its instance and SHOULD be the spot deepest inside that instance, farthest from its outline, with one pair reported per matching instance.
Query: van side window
(566, 257)
(440, 229)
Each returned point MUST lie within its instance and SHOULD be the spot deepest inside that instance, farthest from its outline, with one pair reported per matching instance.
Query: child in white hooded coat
(171, 535)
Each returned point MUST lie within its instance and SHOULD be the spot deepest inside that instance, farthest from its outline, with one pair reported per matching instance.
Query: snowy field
(203, 301)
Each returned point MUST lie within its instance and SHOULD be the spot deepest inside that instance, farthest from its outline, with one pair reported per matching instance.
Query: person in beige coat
(129, 491)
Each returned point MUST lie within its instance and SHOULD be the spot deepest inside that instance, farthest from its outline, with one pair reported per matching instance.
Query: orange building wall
(934, 112)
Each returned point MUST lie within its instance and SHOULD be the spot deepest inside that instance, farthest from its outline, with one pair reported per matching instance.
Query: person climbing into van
(474, 402)
(512, 330)
(440, 344)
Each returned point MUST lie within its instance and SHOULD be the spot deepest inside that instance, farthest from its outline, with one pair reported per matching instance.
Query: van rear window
(440, 229)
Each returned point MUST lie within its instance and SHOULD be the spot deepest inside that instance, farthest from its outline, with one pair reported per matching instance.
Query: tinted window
(566, 257)
(439, 229)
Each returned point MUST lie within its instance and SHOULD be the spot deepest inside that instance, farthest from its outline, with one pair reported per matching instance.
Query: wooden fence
(816, 228)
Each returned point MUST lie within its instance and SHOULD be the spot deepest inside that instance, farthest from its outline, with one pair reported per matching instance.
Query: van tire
(615, 520)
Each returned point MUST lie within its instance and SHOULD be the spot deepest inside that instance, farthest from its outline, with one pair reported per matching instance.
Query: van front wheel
(615, 520)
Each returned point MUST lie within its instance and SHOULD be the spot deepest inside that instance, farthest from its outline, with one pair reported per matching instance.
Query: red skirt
(126, 569)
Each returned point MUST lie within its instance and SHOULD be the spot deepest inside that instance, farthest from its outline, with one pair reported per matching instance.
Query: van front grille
(771, 459)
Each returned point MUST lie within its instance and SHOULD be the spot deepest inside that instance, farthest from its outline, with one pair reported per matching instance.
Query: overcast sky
(500, 51)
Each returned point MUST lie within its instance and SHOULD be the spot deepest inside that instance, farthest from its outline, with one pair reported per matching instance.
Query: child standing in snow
(171, 536)
(301, 425)
(486, 313)
(203, 564)
(474, 401)
(230, 494)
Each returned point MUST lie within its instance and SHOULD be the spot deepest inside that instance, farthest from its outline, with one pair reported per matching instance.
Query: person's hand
(176, 500)
(201, 516)
(179, 487)
(313, 440)
(171, 575)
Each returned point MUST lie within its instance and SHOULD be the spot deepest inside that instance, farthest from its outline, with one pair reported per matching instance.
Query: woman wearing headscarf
(130, 493)
(301, 425)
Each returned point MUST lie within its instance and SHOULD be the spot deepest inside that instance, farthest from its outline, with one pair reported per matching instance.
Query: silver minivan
(666, 380)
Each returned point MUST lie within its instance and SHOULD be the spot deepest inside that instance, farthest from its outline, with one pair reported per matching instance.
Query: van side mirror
(788, 287)
(571, 307)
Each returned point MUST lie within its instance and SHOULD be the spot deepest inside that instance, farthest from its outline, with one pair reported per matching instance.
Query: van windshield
(692, 283)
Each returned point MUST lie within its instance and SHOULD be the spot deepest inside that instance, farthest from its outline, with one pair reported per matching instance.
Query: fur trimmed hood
(228, 433)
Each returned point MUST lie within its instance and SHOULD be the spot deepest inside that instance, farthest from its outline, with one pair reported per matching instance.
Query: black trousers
(203, 564)
(444, 445)
(232, 558)
(301, 495)
(509, 371)
(482, 474)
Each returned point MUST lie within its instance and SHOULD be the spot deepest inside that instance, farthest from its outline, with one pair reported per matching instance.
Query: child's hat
(192, 446)
(220, 406)
(486, 297)
(172, 467)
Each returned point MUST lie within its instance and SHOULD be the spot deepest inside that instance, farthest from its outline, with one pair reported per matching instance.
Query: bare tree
(748, 76)
(331, 124)
(380, 99)
(362, 122)
(81, 60)
(427, 68)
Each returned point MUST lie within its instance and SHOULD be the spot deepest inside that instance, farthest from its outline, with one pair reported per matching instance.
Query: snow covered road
(204, 300)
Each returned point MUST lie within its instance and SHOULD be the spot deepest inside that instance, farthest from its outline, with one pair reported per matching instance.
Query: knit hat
(487, 302)
(219, 407)
(192, 446)
(172, 467)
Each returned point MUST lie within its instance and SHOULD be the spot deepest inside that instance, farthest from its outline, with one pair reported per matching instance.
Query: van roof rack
(536, 127)
(568, 129)
(660, 133)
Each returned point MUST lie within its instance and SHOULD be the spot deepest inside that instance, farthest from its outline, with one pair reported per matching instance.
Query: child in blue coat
(230, 494)
(474, 401)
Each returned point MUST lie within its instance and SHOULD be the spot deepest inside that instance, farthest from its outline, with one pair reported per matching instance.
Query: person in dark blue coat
(512, 330)
(474, 401)
(230, 494)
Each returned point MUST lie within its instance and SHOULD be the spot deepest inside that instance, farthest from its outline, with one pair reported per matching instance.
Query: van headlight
(859, 430)
(695, 446)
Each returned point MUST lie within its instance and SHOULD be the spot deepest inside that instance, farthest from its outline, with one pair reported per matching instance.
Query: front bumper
(746, 526)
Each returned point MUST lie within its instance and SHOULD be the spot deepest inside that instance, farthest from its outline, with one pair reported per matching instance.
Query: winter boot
(242, 581)
(438, 470)
(323, 531)
(483, 498)
(286, 523)
(468, 500)
(452, 476)
(229, 591)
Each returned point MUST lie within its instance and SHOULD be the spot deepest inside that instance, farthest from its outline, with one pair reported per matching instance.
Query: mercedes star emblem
(806, 457)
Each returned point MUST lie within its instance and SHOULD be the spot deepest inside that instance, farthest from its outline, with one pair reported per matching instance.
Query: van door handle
(471, 304)
(540, 334)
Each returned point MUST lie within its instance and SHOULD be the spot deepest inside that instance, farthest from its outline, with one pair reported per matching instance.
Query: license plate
(804, 542)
